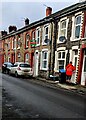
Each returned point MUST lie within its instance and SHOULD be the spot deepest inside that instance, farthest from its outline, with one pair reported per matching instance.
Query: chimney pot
(26, 21)
(12, 28)
(48, 11)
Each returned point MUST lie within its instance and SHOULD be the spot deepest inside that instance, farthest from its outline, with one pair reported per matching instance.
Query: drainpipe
(54, 46)
(50, 45)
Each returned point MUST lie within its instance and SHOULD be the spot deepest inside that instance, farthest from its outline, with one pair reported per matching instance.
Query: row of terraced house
(50, 43)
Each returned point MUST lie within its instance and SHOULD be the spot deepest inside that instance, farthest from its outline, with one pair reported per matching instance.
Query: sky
(14, 12)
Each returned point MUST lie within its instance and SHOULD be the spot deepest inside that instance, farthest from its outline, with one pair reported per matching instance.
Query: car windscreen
(24, 65)
(9, 65)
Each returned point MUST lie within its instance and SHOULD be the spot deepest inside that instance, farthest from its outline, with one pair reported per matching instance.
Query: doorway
(75, 62)
(83, 76)
(36, 63)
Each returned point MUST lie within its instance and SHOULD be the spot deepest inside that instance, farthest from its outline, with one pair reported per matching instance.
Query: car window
(24, 65)
(9, 64)
(15, 65)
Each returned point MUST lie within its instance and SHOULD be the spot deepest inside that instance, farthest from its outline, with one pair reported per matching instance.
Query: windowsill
(26, 47)
(60, 42)
(45, 69)
(44, 43)
(37, 45)
(18, 48)
(14, 48)
(77, 39)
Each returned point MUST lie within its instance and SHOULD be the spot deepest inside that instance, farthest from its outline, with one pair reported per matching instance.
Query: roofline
(57, 15)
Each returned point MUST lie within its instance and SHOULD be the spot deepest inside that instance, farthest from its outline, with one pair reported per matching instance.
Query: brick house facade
(51, 51)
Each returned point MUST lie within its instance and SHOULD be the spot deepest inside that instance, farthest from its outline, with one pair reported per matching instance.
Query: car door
(13, 68)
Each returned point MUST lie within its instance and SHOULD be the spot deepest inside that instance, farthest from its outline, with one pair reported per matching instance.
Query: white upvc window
(62, 31)
(77, 26)
(37, 36)
(26, 57)
(33, 39)
(61, 60)
(9, 45)
(44, 59)
(14, 43)
(45, 35)
(18, 43)
(27, 41)
(63, 28)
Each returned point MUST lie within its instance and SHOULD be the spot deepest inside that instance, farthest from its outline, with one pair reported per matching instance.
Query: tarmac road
(33, 100)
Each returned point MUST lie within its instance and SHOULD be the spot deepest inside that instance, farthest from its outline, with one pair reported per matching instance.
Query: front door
(75, 59)
(83, 76)
(36, 61)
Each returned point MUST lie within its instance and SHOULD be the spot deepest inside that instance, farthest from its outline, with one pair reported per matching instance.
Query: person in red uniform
(69, 71)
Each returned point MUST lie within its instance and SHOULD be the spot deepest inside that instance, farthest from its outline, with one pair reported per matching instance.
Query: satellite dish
(47, 40)
(62, 38)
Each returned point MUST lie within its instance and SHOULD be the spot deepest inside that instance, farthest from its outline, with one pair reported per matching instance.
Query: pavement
(67, 86)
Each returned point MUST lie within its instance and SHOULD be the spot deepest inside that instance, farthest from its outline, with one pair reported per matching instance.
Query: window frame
(18, 42)
(61, 59)
(27, 38)
(26, 59)
(59, 29)
(79, 15)
(38, 36)
(44, 34)
(42, 60)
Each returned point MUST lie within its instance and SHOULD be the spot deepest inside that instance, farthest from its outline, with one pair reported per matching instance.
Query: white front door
(83, 76)
(75, 59)
(36, 61)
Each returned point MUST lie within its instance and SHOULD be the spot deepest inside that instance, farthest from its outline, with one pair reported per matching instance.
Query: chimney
(26, 21)
(4, 33)
(12, 28)
(48, 11)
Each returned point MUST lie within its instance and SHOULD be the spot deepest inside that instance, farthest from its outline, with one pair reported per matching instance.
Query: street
(33, 100)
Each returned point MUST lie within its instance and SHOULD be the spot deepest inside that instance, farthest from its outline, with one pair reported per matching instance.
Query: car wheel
(16, 74)
(7, 72)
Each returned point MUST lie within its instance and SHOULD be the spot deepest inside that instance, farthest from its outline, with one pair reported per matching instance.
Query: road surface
(33, 100)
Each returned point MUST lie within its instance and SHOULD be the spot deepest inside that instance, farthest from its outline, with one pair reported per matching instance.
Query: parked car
(6, 67)
(21, 69)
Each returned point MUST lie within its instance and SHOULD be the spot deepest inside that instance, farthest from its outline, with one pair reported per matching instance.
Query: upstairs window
(77, 26)
(45, 35)
(63, 28)
(8, 45)
(33, 41)
(27, 41)
(18, 42)
(38, 36)
(14, 43)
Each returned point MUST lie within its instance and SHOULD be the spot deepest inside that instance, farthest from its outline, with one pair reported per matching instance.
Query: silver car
(21, 69)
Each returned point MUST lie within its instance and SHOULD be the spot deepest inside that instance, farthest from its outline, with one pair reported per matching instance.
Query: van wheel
(16, 74)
